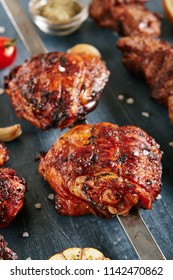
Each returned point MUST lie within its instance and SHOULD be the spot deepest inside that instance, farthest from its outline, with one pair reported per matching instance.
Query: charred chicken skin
(103, 169)
(153, 59)
(12, 191)
(5, 252)
(128, 18)
(4, 154)
(138, 51)
(57, 89)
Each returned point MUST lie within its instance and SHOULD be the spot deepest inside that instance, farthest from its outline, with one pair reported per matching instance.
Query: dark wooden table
(48, 232)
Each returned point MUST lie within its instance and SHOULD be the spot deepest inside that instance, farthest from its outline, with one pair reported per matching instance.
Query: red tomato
(8, 52)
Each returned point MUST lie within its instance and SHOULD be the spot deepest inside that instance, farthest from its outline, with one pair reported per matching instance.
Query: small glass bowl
(62, 28)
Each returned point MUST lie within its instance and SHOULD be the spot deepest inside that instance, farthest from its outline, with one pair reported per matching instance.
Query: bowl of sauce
(58, 17)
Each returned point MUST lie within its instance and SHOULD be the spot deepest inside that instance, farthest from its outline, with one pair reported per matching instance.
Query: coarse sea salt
(25, 234)
(38, 205)
(159, 196)
(171, 144)
(130, 101)
(51, 196)
(145, 152)
(145, 114)
(61, 68)
(121, 97)
(142, 25)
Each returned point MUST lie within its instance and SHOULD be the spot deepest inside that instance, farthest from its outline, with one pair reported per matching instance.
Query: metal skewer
(133, 224)
(24, 27)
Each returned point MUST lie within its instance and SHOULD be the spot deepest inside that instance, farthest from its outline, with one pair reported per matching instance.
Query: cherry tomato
(8, 52)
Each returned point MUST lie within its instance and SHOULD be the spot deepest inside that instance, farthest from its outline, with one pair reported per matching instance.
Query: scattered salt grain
(142, 25)
(38, 205)
(2, 29)
(136, 153)
(25, 234)
(130, 100)
(171, 144)
(61, 68)
(1, 91)
(121, 97)
(145, 152)
(145, 114)
(51, 196)
(159, 196)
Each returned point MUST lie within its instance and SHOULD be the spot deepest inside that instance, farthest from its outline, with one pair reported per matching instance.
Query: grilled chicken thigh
(5, 252)
(127, 17)
(103, 169)
(138, 51)
(57, 89)
(153, 59)
(12, 191)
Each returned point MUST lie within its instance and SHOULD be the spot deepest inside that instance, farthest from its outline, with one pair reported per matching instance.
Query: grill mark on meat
(119, 168)
(64, 61)
(122, 158)
(57, 89)
(97, 207)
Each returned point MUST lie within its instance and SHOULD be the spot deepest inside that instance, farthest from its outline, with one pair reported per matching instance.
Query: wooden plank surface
(48, 232)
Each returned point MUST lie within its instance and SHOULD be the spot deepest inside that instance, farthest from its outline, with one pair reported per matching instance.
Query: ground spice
(58, 11)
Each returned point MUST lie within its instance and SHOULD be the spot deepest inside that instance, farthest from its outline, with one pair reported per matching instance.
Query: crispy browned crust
(12, 191)
(57, 89)
(103, 169)
(138, 51)
(4, 154)
(5, 252)
(128, 18)
(153, 59)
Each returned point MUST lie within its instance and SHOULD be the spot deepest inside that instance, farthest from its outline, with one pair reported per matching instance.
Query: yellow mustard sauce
(58, 11)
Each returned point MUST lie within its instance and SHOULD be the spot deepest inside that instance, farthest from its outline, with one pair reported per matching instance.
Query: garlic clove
(10, 133)
(84, 48)
(76, 253)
